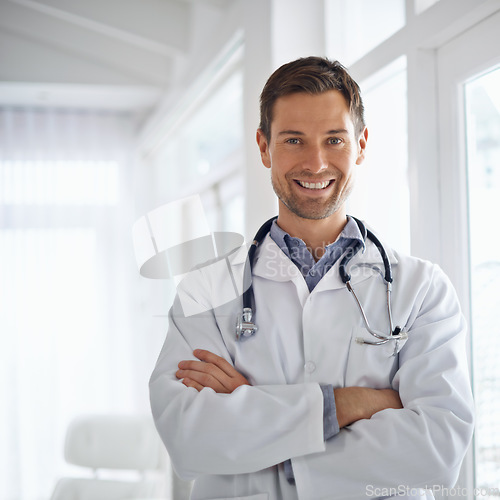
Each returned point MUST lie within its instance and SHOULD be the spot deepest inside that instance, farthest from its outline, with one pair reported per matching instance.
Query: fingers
(231, 378)
(191, 383)
(210, 357)
(202, 374)
(211, 371)
(200, 380)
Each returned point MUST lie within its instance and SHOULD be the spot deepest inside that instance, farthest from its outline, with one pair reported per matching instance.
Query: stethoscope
(246, 328)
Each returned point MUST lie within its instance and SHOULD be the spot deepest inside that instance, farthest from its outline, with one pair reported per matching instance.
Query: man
(302, 409)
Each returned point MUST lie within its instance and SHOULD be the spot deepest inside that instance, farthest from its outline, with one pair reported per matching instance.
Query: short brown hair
(313, 75)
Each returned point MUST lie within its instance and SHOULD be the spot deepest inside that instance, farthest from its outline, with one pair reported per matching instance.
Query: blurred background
(110, 109)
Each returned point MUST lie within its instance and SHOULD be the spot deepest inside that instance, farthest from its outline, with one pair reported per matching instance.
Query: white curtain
(68, 325)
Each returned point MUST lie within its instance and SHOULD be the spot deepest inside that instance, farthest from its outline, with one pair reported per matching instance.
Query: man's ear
(363, 138)
(264, 148)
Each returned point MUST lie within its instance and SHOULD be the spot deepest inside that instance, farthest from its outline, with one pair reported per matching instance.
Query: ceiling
(111, 54)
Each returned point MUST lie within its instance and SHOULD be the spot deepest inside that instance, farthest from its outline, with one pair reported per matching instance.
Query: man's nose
(316, 159)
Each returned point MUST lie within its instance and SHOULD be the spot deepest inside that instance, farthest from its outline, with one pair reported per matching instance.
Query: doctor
(301, 410)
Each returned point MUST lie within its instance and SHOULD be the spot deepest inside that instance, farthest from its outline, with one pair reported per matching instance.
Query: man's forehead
(329, 108)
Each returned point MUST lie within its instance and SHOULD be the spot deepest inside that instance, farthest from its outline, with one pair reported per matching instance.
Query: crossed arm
(352, 403)
(421, 444)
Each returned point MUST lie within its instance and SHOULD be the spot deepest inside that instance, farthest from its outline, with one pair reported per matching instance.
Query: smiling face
(312, 153)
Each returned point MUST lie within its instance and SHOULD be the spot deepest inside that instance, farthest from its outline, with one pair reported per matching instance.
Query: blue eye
(334, 140)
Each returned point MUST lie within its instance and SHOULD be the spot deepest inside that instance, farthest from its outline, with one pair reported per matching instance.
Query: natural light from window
(84, 182)
(351, 31)
(381, 195)
(483, 162)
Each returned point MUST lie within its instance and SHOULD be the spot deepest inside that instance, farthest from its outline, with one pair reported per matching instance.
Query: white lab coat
(235, 444)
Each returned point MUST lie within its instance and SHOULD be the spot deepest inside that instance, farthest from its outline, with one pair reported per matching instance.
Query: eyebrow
(298, 132)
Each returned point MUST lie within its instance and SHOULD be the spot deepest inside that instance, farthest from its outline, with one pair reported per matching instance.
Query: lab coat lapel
(359, 268)
(271, 263)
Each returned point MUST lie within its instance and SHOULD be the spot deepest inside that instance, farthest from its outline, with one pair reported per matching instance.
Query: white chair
(125, 443)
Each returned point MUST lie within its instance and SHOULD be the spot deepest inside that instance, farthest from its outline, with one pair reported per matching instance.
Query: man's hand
(352, 403)
(356, 403)
(211, 371)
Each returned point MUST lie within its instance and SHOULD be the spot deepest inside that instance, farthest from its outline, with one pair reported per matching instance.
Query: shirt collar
(286, 242)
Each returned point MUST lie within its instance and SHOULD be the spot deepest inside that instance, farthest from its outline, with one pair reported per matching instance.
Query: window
(483, 166)
(66, 321)
(468, 79)
(58, 182)
(203, 142)
(351, 31)
(382, 179)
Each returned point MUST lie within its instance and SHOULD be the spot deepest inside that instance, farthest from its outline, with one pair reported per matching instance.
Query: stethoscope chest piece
(244, 326)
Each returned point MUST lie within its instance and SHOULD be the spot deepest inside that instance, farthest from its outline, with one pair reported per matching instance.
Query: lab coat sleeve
(245, 431)
(424, 443)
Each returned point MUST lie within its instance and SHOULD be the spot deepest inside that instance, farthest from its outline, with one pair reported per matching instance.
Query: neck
(316, 233)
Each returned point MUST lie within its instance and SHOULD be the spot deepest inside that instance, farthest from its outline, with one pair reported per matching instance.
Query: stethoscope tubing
(245, 327)
(248, 295)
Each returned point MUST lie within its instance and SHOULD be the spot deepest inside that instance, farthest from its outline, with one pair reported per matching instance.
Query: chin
(318, 214)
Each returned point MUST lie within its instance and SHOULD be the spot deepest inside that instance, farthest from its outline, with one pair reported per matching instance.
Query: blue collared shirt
(296, 250)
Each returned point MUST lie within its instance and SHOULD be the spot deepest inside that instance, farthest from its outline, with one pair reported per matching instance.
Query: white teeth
(314, 185)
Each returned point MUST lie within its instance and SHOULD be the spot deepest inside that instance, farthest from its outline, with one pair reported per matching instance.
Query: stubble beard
(313, 209)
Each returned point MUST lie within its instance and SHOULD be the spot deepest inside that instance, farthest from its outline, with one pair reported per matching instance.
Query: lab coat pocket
(371, 365)
(260, 496)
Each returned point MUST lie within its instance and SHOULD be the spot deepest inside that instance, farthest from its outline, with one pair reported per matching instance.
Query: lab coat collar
(360, 268)
(239, 255)
(267, 251)
(271, 263)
